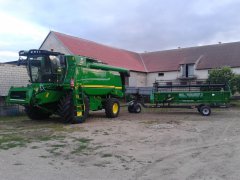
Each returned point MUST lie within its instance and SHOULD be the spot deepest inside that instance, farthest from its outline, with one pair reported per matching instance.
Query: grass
(15, 133)
(13, 118)
(106, 133)
(42, 156)
(18, 131)
(59, 145)
(235, 103)
(11, 141)
(54, 151)
(99, 165)
(149, 122)
(82, 140)
(48, 138)
(18, 164)
(82, 145)
(8, 141)
(34, 147)
(106, 155)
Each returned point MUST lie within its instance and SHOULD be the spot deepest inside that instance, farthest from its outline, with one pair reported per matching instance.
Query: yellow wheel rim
(115, 108)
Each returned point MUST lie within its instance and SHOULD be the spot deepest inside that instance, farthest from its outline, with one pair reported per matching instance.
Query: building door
(187, 70)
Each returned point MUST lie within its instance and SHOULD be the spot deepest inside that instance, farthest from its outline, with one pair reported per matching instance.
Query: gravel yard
(155, 144)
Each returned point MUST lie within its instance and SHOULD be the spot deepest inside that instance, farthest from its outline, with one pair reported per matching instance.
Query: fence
(11, 110)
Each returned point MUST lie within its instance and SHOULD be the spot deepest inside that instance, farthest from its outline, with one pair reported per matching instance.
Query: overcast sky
(136, 25)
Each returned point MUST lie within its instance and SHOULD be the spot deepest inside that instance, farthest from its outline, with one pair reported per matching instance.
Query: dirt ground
(156, 144)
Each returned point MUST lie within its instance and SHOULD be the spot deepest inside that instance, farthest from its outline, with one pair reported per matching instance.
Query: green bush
(225, 75)
(236, 82)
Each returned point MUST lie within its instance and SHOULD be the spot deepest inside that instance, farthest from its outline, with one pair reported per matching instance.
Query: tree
(225, 75)
(236, 82)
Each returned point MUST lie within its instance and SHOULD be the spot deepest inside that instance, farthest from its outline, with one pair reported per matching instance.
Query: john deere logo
(190, 95)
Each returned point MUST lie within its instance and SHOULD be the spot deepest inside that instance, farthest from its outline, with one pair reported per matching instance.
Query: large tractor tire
(68, 113)
(112, 107)
(35, 113)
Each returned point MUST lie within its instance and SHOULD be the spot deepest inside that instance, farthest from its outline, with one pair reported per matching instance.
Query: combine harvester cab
(69, 86)
(201, 95)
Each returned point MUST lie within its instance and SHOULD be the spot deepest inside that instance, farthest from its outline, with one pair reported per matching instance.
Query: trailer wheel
(112, 107)
(205, 110)
(131, 108)
(137, 108)
(35, 113)
(67, 110)
(199, 107)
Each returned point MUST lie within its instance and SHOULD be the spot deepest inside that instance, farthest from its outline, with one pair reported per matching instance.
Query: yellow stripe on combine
(100, 86)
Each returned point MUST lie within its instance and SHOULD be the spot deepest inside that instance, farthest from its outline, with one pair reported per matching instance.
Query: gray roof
(205, 57)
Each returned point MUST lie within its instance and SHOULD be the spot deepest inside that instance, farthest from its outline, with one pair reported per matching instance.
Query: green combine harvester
(68, 85)
(198, 94)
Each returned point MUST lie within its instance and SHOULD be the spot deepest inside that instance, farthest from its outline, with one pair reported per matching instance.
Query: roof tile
(206, 57)
(109, 55)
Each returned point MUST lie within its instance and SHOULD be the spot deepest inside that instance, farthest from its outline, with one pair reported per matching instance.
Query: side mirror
(19, 62)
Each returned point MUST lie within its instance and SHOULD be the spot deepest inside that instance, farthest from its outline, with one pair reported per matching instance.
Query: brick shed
(11, 75)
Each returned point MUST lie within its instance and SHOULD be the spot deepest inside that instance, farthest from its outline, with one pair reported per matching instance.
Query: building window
(160, 74)
(187, 70)
(209, 71)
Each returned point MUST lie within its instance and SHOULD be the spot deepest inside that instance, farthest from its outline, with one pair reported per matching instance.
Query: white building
(145, 68)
